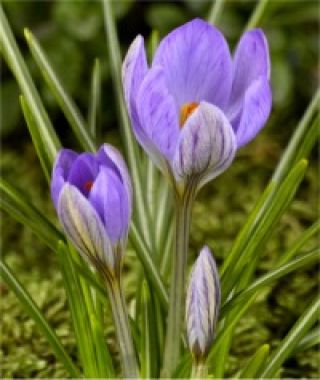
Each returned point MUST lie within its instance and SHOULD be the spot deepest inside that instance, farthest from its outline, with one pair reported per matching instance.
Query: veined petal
(158, 113)
(251, 61)
(84, 226)
(61, 168)
(206, 146)
(202, 303)
(110, 199)
(255, 111)
(111, 157)
(197, 64)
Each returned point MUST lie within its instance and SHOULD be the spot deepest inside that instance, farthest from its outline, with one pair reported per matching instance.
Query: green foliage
(268, 278)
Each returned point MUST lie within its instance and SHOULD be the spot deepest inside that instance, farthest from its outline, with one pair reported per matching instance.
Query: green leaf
(16, 204)
(288, 344)
(257, 14)
(267, 279)
(67, 105)
(255, 363)
(94, 114)
(45, 160)
(35, 313)
(215, 11)
(19, 69)
(248, 246)
(150, 269)
(149, 355)
(310, 340)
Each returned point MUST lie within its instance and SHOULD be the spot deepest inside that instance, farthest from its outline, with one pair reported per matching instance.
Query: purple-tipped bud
(92, 195)
(202, 306)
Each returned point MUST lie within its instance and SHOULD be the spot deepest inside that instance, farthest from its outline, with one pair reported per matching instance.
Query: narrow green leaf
(298, 140)
(257, 14)
(45, 161)
(269, 278)
(35, 313)
(299, 243)
(94, 114)
(19, 69)
(251, 245)
(148, 345)
(288, 344)
(310, 340)
(215, 11)
(150, 269)
(254, 364)
(67, 105)
(15, 203)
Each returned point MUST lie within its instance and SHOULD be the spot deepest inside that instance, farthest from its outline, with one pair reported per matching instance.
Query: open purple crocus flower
(92, 195)
(196, 105)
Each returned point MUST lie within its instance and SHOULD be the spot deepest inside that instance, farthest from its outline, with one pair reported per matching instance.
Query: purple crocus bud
(195, 105)
(202, 305)
(93, 198)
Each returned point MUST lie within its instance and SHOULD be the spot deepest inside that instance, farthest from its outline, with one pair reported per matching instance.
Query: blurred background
(72, 34)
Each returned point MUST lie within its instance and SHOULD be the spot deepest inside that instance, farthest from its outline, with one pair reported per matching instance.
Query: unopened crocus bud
(202, 306)
(93, 198)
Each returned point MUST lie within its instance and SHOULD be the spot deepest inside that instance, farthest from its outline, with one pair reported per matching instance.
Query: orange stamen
(87, 185)
(186, 110)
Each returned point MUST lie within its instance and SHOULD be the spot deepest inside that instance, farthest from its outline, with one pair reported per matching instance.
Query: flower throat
(186, 110)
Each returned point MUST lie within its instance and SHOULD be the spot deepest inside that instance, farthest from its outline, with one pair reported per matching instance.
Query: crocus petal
(255, 112)
(202, 303)
(60, 171)
(134, 69)
(109, 197)
(158, 113)
(84, 226)
(197, 64)
(251, 61)
(83, 172)
(206, 146)
(111, 158)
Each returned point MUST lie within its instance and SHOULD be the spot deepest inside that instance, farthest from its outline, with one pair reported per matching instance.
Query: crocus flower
(195, 105)
(92, 195)
(202, 306)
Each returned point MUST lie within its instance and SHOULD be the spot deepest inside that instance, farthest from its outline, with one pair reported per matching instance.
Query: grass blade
(35, 313)
(94, 114)
(256, 362)
(215, 11)
(67, 105)
(15, 61)
(288, 344)
(257, 14)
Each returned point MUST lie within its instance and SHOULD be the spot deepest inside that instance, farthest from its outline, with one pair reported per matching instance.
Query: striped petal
(206, 145)
(202, 304)
(84, 227)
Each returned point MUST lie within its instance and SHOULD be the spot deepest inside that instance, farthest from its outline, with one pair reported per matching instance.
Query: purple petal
(202, 303)
(207, 145)
(251, 61)
(197, 64)
(255, 112)
(110, 157)
(60, 171)
(158, 113)
(110, 199)
(83, 172)
(84, 226)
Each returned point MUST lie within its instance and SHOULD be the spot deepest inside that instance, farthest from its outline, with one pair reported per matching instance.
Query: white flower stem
(177, 286)
(119, 311)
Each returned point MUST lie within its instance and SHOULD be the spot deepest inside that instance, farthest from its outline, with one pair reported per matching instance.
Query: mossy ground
(219, 213)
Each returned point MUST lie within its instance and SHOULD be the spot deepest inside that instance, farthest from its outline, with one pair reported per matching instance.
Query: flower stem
(199, 370)
(121, 321)
(177, 289)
